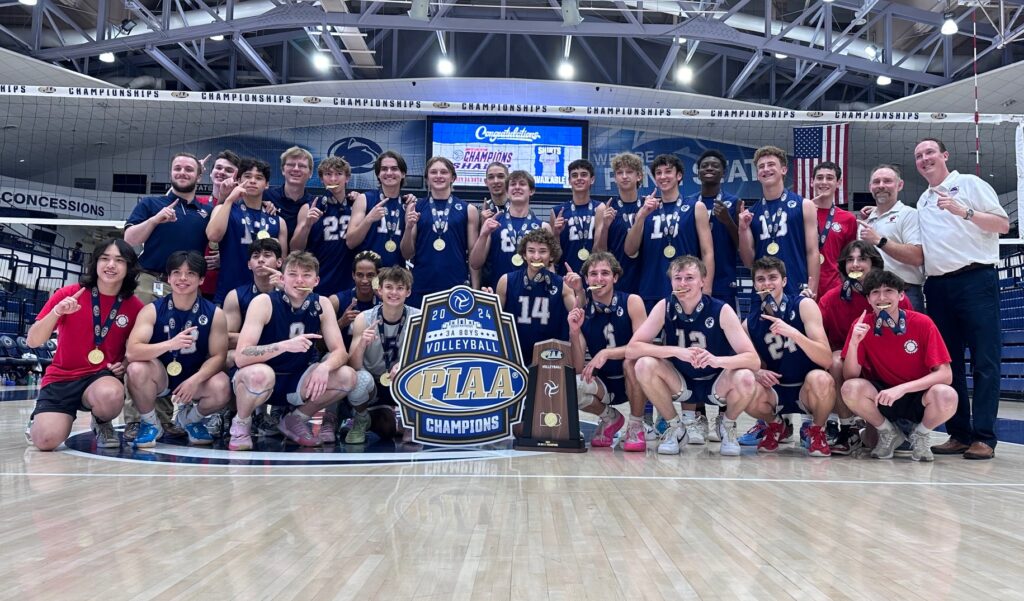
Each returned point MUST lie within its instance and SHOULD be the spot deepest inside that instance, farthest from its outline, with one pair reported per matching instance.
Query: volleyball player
(296, 168)
(496, 179)
(350, 302)
(265, 265)
(178, 347)
(239, 221)
(603, 326)
(323, 226)
(378, 215)
(93, 320)
(376, 350)
(723, 210)
(836, 227)
(223, 176)
(496, 251)
(439, 231)
(897, 367)
(790, 340)
(279, 364)
(705, 356)
(538, 298)
(620, 215)
(574, 221)
(781, 224)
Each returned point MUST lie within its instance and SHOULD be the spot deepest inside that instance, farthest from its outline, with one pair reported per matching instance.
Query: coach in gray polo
(961, 218)
(893, 228)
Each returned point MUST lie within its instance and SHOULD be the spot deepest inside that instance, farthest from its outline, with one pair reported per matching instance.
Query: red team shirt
(844, 231)
(837, 315)
(75, 334)
(899, 359)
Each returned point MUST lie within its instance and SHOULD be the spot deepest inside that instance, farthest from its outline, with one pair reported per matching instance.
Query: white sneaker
(716, 434)
(697, 430)
(671, 439)
(730, 440)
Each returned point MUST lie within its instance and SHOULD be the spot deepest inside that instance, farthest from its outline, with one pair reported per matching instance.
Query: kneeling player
(717, 366)
(178, 347)
(604, 325)
(278, 361)
(794, 351)
(907, 362)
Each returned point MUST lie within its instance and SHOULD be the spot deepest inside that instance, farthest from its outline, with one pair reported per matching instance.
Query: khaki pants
(164, 407)
(144, 288)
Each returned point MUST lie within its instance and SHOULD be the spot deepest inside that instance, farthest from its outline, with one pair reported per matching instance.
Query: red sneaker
(772, 435)
(818, 442)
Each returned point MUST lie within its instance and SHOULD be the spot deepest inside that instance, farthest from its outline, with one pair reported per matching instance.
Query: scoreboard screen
(541, 147)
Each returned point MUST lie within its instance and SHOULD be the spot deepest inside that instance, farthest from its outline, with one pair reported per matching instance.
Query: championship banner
(462, 381)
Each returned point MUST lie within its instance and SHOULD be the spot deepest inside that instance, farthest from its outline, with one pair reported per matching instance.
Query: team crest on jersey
(203, 320)
(709, 322)
(121, 321)
(728, 204)
(462, 381)
(910, 347)
(954, 190)
(619, 311)
(792, 315)
(684, 208)
(458, 206)
(202, 213)
(837, 227)
(791, 204)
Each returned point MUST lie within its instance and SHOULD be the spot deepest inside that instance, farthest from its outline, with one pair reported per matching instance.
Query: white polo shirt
(951, 242)
(899, 224)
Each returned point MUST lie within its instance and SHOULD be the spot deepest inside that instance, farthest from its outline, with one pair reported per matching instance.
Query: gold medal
(174, 368)
(517, 260)
(385, 379)
(583, 254)
(773, 248)
(390, 246)
(439, 245)
(95, 356)
(670, 251)
(263, 234)
(375, 283)
(821, 259)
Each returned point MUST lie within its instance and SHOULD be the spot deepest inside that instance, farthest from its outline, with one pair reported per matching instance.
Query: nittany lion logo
(709, 323)
(359, 152)
(203, 320)
(815, 114)
(791, 204)
(179, 94)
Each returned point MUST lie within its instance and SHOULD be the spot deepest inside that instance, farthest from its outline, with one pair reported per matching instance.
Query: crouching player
(604, 325)
(897, 367)
(178, 347)
(706, 356)
(278, 362)
(791, 342)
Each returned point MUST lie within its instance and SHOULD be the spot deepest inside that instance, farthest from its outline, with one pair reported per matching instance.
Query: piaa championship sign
(462, 381)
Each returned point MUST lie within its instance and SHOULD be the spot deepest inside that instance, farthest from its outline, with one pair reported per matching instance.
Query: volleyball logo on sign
(359, 152)
(463, 380)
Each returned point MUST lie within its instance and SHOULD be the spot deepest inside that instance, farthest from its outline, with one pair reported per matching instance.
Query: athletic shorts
(286, 387)
(909, 406)
(616, 388)
(787, 399)
(66, 397)
(700, 392)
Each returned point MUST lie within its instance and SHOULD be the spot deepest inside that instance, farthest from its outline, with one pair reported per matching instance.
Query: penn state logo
(550, 388)
(203, 320)
(567, 109)
(954, 190)
(815, 114)
(441, 105)
(202, 213)
(121, 320)
(311, 100)
(360, 153)
(458, 206)
(837, 227)
(47, 89)
(709, 322)
(791, 204)
(179, 94)
(619, 311)
(792, 315)
(685, 208)
(551, 354)
(910, 347)
(939, 116)
(691, 112)
(462, 381)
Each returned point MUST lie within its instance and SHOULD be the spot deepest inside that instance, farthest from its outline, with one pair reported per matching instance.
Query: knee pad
(586, 393)
(360, 393)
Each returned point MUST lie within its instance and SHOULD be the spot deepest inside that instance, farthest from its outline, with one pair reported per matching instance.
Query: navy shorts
(616, 388)
(788, 399)
(66, 397)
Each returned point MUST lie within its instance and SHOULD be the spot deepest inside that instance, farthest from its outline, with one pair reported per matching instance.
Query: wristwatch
(969, 214)
(882, 242)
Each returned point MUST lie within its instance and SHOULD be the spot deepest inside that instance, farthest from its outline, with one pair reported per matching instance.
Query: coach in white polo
(893, 228)
(961, 219)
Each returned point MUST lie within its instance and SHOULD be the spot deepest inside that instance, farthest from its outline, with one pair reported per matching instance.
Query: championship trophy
(551, 420)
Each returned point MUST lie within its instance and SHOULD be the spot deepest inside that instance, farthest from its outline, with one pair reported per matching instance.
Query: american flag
(813, 145)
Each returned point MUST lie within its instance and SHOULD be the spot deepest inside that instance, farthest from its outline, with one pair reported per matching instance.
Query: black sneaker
(847, 442)
(831, 432)
(131, 432)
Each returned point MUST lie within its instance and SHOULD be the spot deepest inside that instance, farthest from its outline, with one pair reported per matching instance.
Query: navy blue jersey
(244, 224)
(538, 309)
(327, 243)
(245, 294)
(578, 233)
(504, 242)
(287, 208)
(608, 326)
(702, 329)
(629, 281)
(389, 228)
(675, 225)
(725, 251)
(433, 269)
(780, 354)
(187, 233)
(344, 300)
(170, 321)
(781, 221)
(286, 322)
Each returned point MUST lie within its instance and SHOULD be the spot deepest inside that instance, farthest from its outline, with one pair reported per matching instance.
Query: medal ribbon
(439, 218)
(770, 307)
(543, 277)
(193, 318)
(389, 344)
(772, 223)
(595, 306)
(898, 326)
(249, 223)
(849, 286)
(583, 222)
(100, 332)
(711, 209)
(681, 313)
(823, 235)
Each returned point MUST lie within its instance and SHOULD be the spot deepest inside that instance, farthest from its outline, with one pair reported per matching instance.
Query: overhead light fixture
(949, 26)
(781, 56)
(127, 26)
(445, 66)
(321, 61)
(871, 51)
(217, 38)
(571, 13)
(884, 80)
(420, 10)
(828, 1)
(28, 2)
(107, 57)
(566, 70)
(684, 75)
(680, 41)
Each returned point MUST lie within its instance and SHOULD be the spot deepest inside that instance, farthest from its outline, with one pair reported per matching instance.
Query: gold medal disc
(773, 248)
(670, 251)
(95, 356)
(583, 254)
(390, 246)
(174, 368)
(517, 260)
(263, 234)
(385, 379)
(821, 259)
(439, 245)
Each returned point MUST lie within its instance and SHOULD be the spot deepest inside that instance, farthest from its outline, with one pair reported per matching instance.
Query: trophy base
(553, 446)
